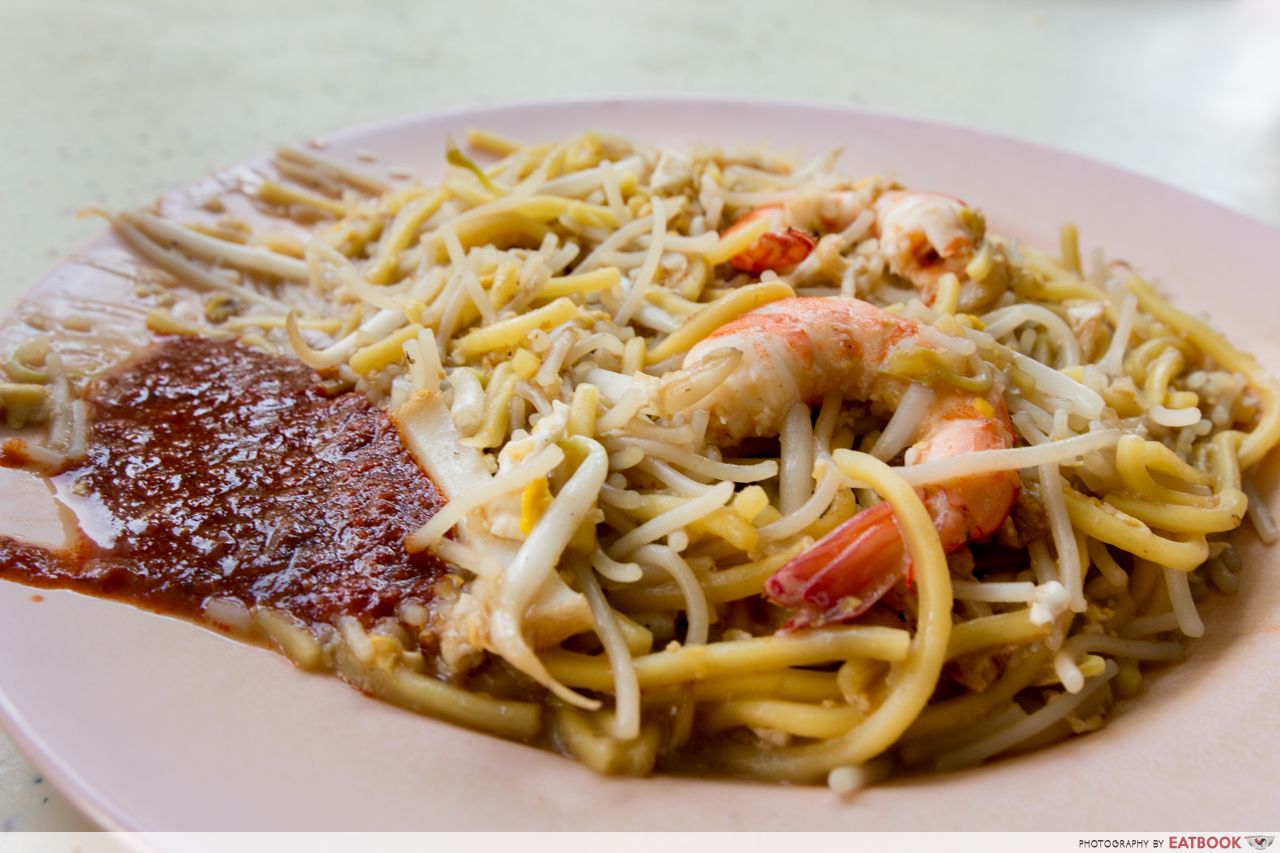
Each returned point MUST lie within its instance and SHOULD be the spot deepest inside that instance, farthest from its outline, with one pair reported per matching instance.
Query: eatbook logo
(1261, 842)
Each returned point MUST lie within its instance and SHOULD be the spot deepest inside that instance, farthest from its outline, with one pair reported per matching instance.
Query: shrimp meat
(800, 349)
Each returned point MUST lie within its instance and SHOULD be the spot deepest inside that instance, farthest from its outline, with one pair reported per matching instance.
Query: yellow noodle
(425, 695)
(273, 193)
(948, 295)
(589, 738)
(719, 587)
(1058, 283)
(758, 654)
(384, 352)
(1004, 629)
(1160, 373)
(506, 281)
(1108, 524)
(1135, 363)
(671, 302)
(723, 522)
(1135, 455)
(1267, 431)
(400, 234)
(716, 314)
(795, 718)
(633, 355)
(493, 427)
(1069, 238)
(795, 685)
(293, 638)
(919, 672)
(1225, 458)
(582, 413)
(488, 140)
(591, 282)
(509, 333)
(1217, 514)
(734, 242)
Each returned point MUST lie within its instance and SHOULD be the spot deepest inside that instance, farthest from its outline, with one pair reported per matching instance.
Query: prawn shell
(803, 348)
(845, 572)
(775, 250)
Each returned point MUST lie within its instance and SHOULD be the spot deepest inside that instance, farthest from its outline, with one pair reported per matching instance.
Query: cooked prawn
(791, 237)
(849, 569)
(778, 249)
(800, 349)
(924, 236)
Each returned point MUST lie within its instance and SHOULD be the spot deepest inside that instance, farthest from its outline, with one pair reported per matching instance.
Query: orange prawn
(800, 349)
(778, 249)
(923, 236)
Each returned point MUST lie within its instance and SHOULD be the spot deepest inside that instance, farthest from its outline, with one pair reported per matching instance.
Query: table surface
(115, 101)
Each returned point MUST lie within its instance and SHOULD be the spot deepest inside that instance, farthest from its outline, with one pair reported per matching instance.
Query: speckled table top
(114, 101)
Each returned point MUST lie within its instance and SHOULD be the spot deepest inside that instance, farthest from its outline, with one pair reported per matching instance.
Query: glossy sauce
(216, 470)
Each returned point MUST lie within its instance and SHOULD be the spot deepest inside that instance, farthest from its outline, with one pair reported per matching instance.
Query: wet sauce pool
(218, 471)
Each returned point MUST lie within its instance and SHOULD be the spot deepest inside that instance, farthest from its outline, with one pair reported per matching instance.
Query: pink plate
(151, 723)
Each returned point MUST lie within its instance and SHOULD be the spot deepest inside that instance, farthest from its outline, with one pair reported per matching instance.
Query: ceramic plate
(151, 723)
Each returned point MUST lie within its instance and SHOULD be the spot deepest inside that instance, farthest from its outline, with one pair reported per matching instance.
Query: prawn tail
(775, 250)
(853, 566)
(845, 573)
